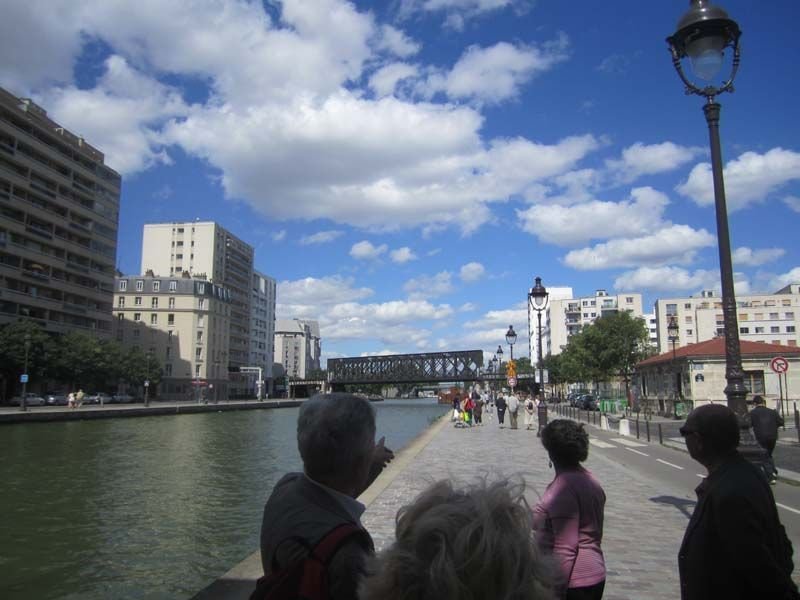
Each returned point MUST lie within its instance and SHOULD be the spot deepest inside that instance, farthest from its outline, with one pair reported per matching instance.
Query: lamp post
(511, 339)
(537, 299)
(147, 378)
(23, 406)
(703, 33)
(673, 332)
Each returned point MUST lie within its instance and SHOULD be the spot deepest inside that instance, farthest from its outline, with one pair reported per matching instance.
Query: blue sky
(404, 169)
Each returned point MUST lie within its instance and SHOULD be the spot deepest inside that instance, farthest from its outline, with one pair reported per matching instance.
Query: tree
(12, 353)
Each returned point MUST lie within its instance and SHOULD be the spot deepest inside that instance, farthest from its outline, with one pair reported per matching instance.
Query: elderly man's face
(692, 438)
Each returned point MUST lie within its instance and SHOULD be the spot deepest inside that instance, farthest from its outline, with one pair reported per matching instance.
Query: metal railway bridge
(433, 367)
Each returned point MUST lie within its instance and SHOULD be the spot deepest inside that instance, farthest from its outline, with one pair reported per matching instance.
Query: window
(201, 321)
(168, 369)
(743, 316)
(173, 285)
(759, 316)
(754, 381)
(672, 310)
(156, 286)
(586, 303)
(201, 303)
(136, 333)
(179, 244)
(744, 330)
(197, 370)
(178, 256)
(776, 342)
(629, 299)
(774, 329)
(759, 330)
(171, 303)
(687, 305)
(139, 285)
(585, 315)
(121, 302)
(773, 316)
(789, 315)
(199, 337)
(690, 332)
(169, 352)
(137, 301)
(169, 336)
(790, 329)
(788, 343)
(201, 288)
(121, 317)
(153, 302)
(137, 317)
(170, 320)
(687, 319)
(123, 285)
(198, 353)
(154, 319)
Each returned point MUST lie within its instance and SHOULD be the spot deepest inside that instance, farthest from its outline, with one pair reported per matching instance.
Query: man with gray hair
(336, 439)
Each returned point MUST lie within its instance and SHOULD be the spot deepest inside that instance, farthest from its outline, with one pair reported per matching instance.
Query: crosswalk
(621, 441)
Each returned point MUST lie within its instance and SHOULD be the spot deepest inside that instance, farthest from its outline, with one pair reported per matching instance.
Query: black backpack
(307, 578)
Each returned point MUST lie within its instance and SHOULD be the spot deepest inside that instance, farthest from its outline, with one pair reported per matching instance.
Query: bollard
(647, 428)
(637, 429)
(797, 421)
(660, 435)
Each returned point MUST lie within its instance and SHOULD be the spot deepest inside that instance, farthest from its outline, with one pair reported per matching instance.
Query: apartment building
(183, 323)
(204, 249)
(566, 316)
(262, 327)
(764, 318)
(297, 346)
(59, 205)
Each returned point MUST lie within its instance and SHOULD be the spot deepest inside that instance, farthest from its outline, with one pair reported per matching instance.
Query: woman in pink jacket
(568, 520)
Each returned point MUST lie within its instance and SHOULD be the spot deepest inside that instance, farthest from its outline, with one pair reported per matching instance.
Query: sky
(404, 169)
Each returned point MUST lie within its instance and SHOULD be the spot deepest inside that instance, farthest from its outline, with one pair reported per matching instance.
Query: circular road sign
(512, 381)
(779, 364)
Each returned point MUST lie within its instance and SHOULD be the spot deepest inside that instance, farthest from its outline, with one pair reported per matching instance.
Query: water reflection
(151, 507)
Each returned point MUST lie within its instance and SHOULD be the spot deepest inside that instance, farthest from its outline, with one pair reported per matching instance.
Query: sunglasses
(684, 431)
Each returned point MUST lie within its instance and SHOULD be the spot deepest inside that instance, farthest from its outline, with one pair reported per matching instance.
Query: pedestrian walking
(530, 409)
(477, 412)
(735, 546)
(513, 409)
(568, 520)
(456, 408)
(501, 409)
(765, 427)
(79, 397)
(488, 407)
(71, 399)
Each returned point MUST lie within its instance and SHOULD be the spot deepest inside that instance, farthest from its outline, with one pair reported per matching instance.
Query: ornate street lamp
(703, 34)
(23, 405)
(511, 339)
(537, 299)
(673, 332)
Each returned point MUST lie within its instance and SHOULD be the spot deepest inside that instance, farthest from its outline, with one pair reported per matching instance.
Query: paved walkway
(641, 537)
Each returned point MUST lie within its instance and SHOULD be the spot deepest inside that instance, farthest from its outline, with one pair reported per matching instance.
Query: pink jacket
(568, 522)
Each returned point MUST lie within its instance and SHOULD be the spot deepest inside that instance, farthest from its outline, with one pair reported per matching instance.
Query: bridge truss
(433, 367)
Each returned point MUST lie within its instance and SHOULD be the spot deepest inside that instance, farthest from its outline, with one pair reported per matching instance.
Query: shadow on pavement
(682, 504)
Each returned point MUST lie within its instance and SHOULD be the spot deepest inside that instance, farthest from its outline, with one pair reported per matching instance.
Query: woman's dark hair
(566, 442)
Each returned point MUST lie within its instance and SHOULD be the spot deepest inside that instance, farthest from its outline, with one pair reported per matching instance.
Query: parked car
(55, 399)
(98, 398)
(574, 397)
(122, 399)
(587, 402)
(31, 399)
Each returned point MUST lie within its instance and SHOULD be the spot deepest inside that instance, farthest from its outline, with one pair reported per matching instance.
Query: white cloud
(402, 255)
(495, 73)
(749, 179)
(643, 159)
(675, 279)
(500, 319)
(279, 236)
(397, 42)
(323, 291)
(321, 237)
(364, 250)
(792, 202)
(468, 307)
(471, 272)
(778, 282)
(673, 244)
(568, 225)
(748, 257)
(457, 12)
(384, 81)
(426, 286)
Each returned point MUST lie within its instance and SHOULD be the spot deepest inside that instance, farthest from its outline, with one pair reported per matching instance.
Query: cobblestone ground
(644, 520)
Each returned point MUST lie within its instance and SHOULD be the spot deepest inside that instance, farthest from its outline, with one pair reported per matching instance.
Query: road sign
(23, 378)
(779, 364)
(512, 381)
(146, 384)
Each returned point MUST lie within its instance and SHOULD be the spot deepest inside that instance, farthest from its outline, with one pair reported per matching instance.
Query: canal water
(148, 508)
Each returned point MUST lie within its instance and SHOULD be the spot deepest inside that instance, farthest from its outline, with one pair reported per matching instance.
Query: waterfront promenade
(645, 517)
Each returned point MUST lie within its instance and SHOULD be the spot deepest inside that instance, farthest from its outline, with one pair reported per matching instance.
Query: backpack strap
(316, 569)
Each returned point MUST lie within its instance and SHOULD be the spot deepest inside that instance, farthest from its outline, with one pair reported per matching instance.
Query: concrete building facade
(59, 213)
(205, 249)
(183, 323)
(764, 318)
(262, 327)
(297, 346)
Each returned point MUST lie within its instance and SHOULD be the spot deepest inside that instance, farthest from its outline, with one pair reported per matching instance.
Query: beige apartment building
(297, 346)
(204, 249)
(183, 323)
(763, 318)
(59, 210)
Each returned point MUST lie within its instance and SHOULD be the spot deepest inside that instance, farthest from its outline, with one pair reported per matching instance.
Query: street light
(702, 35)
(23, 405)
(673, 332)
(147, 378)
(511, 339)
(537, 299)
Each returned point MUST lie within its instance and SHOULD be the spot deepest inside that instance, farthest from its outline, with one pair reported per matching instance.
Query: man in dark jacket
(336, 439)
(501, 409)
(734, 546)
(765, 427)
